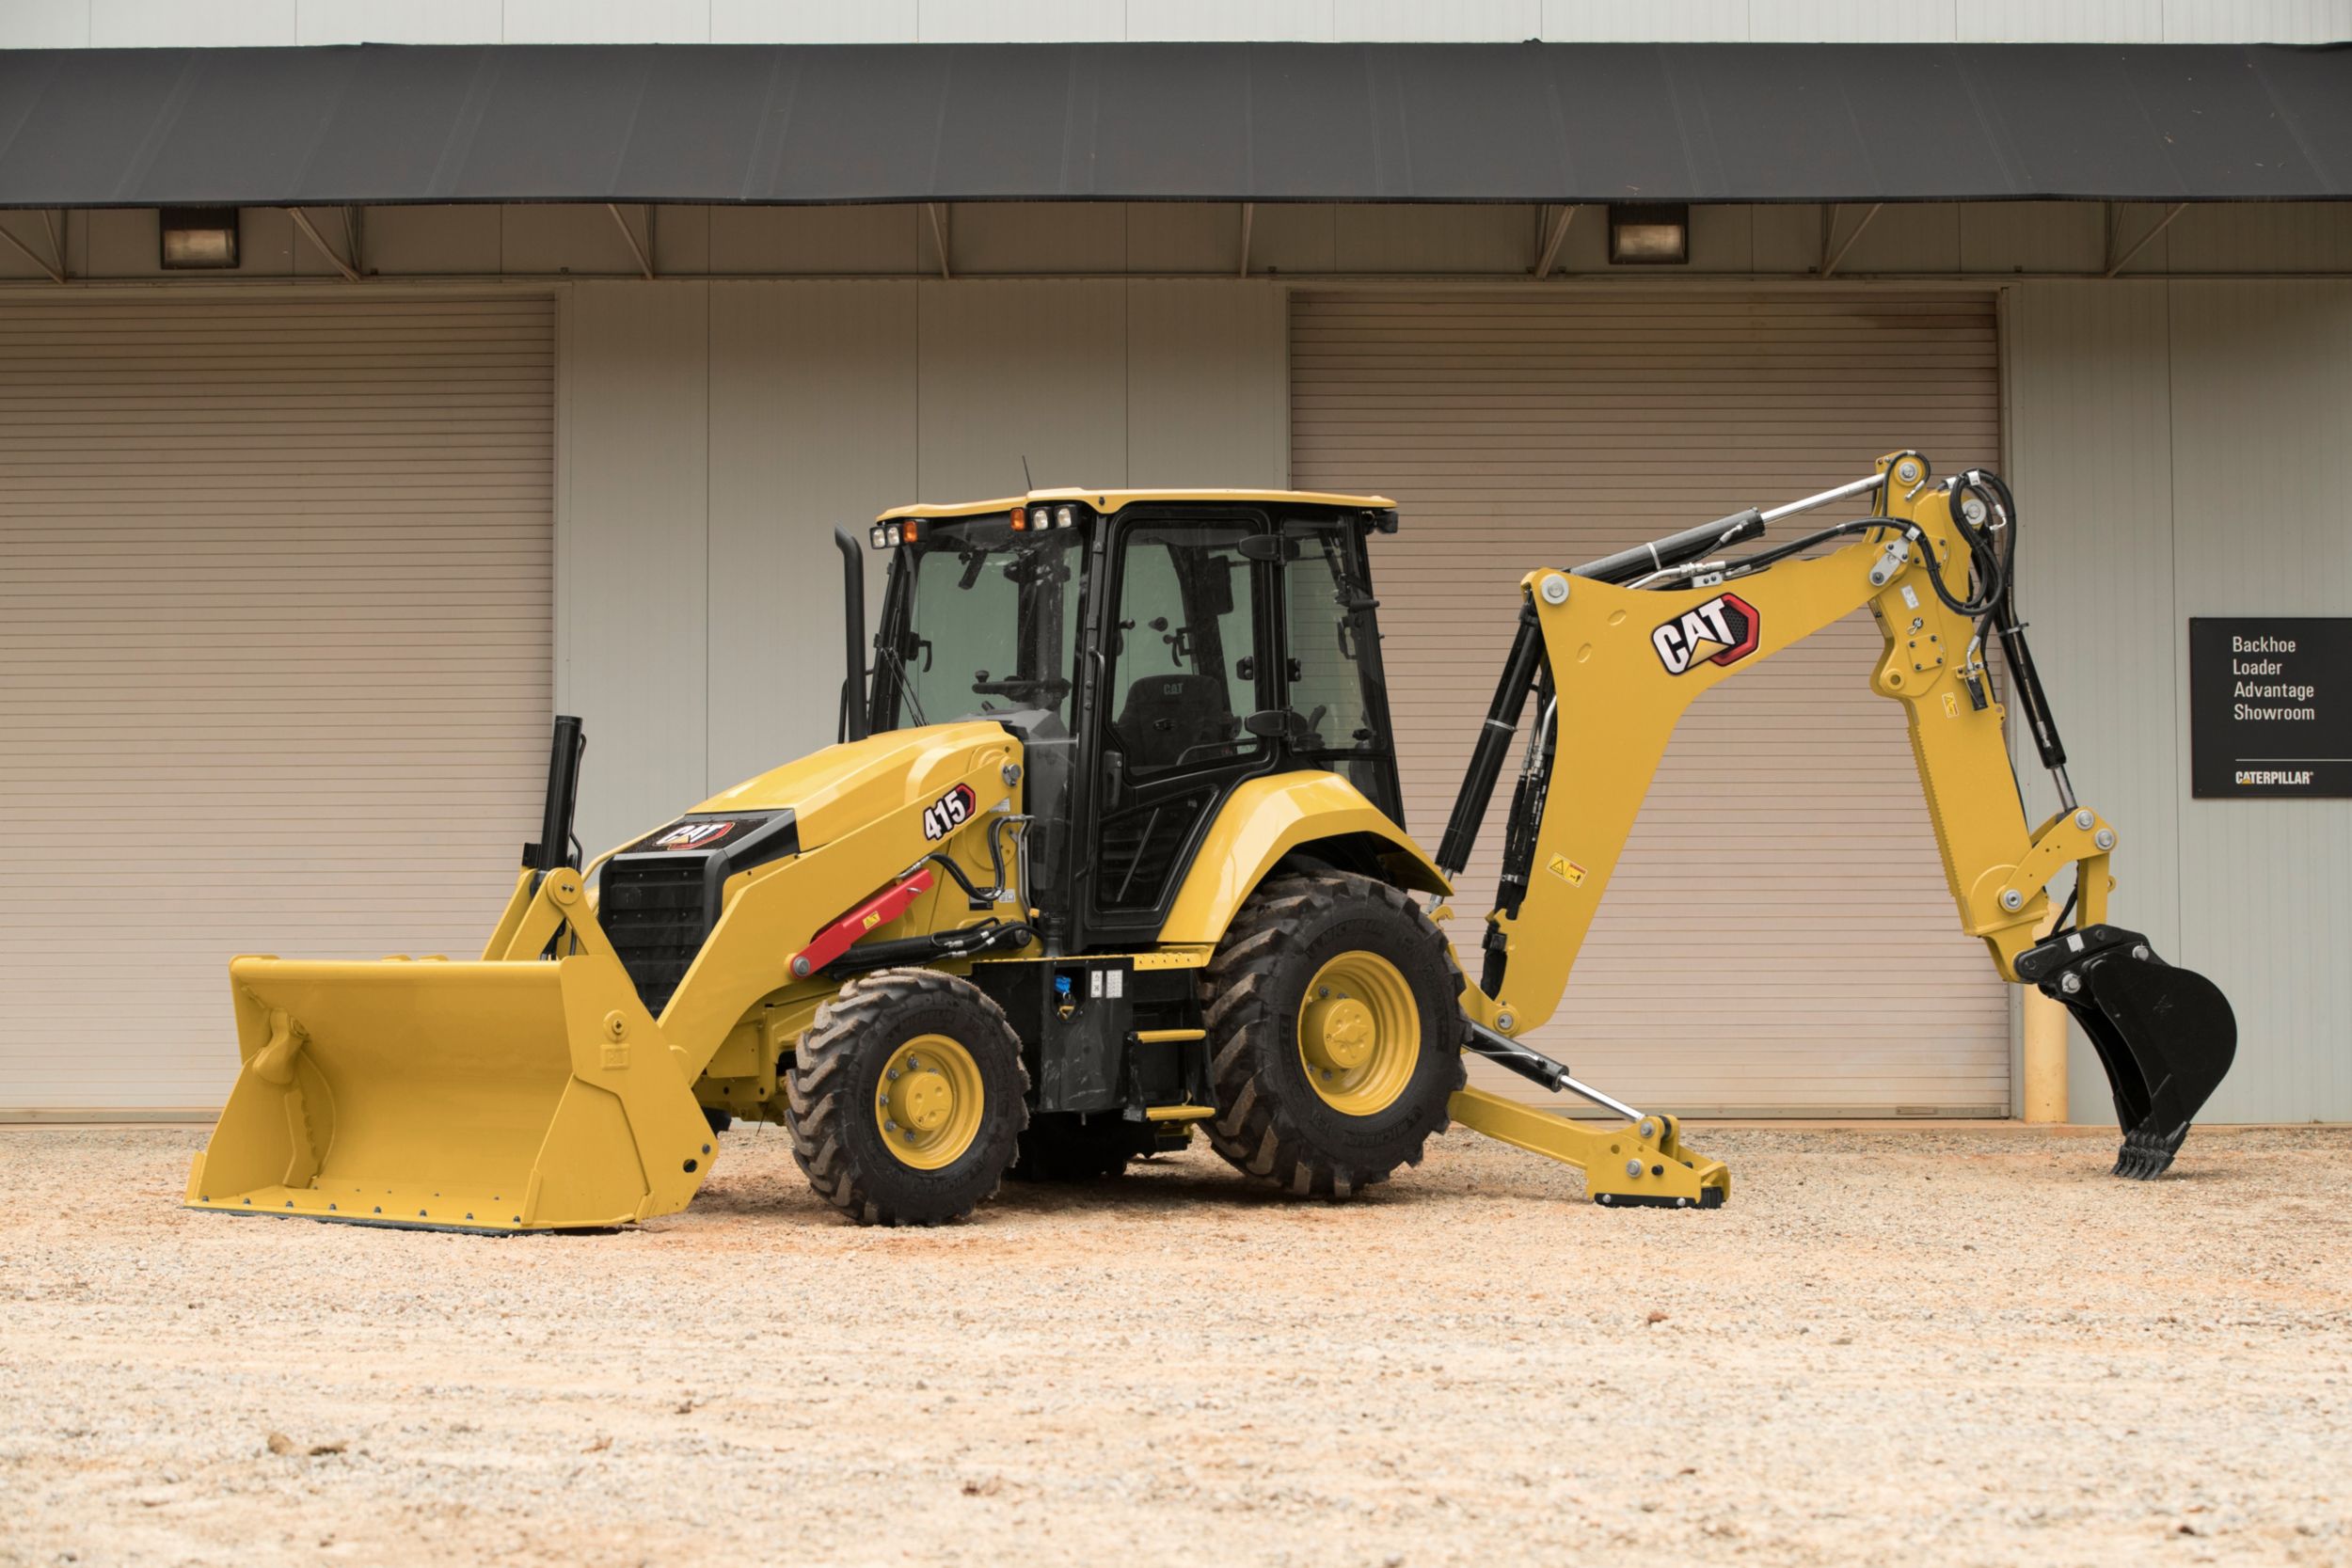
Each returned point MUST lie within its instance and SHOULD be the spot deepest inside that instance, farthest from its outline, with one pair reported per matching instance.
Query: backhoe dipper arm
(1615, 664)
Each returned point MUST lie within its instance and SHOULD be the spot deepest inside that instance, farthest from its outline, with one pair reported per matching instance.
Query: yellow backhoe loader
(1111, 850)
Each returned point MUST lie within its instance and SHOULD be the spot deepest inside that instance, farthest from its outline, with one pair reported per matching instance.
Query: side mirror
(1272, 723)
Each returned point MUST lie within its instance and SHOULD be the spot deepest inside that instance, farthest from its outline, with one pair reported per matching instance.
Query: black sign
(2270, 706)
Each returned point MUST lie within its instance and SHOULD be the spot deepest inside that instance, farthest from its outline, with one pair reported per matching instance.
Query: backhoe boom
(1615, 653)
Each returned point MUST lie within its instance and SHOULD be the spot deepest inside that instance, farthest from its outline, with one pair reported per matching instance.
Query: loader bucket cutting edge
(494, 1097)
(2166, 1036)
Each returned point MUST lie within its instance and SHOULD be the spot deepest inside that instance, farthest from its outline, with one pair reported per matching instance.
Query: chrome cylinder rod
(1775, 513)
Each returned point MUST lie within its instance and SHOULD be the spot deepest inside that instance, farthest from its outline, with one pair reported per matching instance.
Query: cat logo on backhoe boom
(1723, 630)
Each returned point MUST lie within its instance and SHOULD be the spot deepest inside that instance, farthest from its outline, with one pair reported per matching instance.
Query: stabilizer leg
(1643, 1164)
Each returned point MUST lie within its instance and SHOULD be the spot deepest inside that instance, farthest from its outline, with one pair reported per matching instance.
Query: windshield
(982, 619)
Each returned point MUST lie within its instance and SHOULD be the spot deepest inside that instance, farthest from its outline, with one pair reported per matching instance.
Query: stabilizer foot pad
(1709, 1197)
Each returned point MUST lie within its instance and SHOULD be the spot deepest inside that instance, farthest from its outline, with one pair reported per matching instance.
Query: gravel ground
(1961, 1346)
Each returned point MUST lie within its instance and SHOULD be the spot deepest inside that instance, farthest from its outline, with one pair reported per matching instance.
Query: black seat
(1168, 715)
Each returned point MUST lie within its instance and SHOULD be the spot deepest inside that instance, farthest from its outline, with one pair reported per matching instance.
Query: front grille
(657, 917)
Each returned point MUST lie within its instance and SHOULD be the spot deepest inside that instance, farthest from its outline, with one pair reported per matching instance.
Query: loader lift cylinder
(554, 848)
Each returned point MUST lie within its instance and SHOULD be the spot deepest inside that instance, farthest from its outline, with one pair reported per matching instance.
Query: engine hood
(847, 784)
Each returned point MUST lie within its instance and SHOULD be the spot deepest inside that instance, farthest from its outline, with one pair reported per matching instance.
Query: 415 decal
(949, 812)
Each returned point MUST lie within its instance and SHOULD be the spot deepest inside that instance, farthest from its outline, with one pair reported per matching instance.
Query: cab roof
(1112, 501)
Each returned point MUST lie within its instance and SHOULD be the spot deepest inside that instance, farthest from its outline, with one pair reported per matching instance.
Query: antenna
(1027, 482)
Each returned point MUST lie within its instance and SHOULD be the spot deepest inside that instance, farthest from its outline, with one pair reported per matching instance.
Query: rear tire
(1327, 1093)
(905, 1099)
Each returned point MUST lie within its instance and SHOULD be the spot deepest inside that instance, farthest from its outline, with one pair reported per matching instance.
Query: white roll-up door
(274, 671)
(1778, 939)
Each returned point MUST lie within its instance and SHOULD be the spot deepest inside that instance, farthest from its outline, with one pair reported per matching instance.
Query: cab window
(1183, 665)
(1326, 618)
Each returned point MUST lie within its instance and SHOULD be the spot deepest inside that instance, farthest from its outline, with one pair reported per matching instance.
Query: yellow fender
(1265, 819)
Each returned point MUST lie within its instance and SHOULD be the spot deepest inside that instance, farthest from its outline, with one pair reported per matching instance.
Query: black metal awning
(379, 124)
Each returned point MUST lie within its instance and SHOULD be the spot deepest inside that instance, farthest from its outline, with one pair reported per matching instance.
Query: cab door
(1188, 627)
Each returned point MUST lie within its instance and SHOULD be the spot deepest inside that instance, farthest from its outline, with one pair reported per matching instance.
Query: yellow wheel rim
(928, 1101)
(1359, 1033)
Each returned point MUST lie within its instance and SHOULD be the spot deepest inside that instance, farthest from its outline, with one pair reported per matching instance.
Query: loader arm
(1612, 665)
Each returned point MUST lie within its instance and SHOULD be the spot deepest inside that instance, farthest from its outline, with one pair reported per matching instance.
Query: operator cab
(1154, 650)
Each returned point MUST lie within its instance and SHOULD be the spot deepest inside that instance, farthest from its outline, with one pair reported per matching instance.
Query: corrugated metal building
(510, 412)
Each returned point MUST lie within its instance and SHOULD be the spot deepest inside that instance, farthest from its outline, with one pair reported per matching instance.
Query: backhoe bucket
(2166, 1036)
(507, 1096)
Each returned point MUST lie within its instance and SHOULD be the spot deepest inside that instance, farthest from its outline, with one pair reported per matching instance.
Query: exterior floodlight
(200, 238)
(1649, 235)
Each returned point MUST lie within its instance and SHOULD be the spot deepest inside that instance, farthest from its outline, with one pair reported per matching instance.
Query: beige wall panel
(190, 23)
(28, 230)
(812, 428)
(1021, 20)
(1723, 239)
(414, 241)
(1183, 20)
(1021, 368)
(1906, 236)
(2258, 236)
(1207, 391)
(2060, 20)
(608, 22)
(274, 654)
(1396, 237)
(2267, 21)
(1785, 237)
(45, 24)
(1034, 237)
(2032, 236)
(1643, 21)
(819, 240)
(318, 22)
(1851, 21)
(541, 238)
(812, 22)
(1188, 236)
(1294, 237)
(681, 238)
(1786, 836)
(631, 639)
(2091, 461)
(2262, 460)
(1456, 22)
(76, 23)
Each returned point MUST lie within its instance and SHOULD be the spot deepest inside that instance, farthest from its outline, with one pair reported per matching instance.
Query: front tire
(1335, 1034)
(905, 1099)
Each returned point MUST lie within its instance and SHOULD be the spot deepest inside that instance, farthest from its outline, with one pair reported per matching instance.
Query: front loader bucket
(2166, 1036)
(508, 1095)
